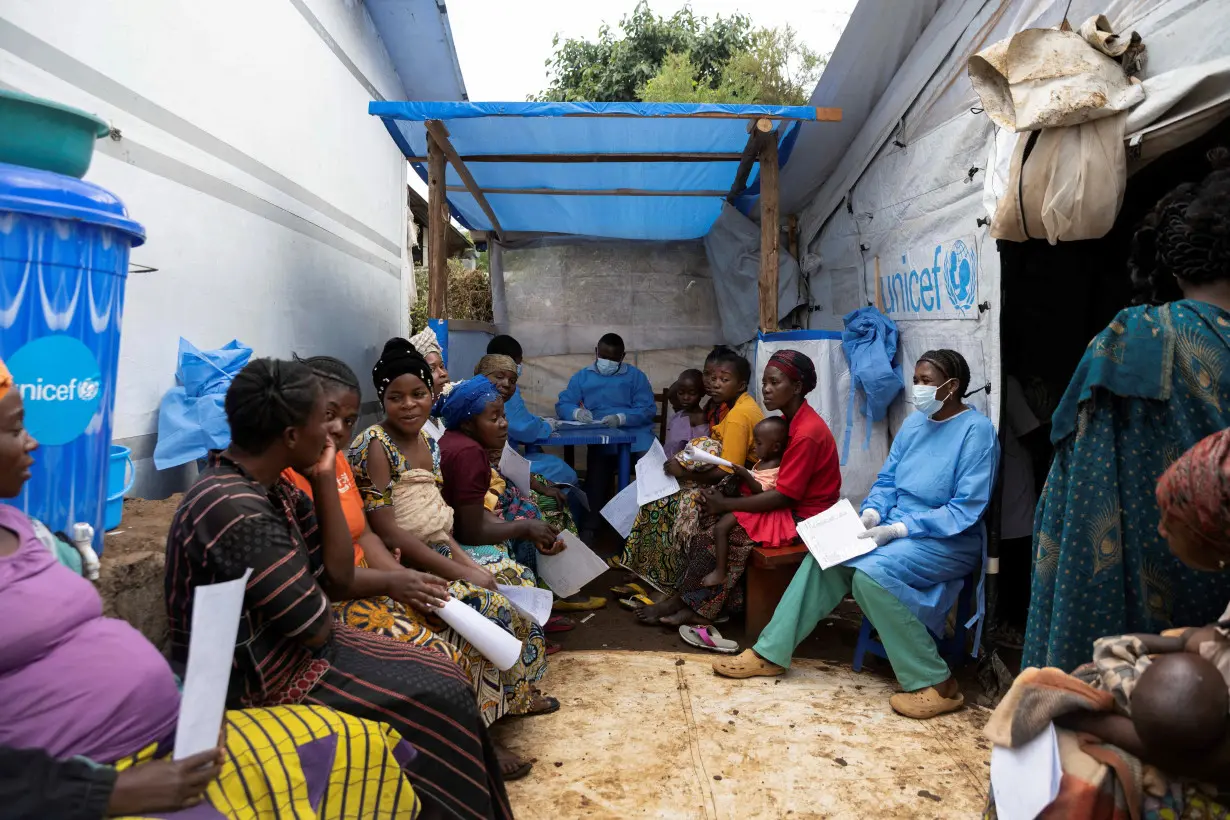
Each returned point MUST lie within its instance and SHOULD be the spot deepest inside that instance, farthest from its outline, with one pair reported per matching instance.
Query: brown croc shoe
(747, 664)
(925, 703)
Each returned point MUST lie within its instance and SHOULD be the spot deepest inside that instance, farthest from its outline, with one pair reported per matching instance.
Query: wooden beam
(770, 234)
(571, 158)
(759, 132)
(585, 192)
(437, 236)
(439, 134)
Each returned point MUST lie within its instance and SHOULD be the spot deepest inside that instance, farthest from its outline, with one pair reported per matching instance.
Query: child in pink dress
(769, 439)
(688, 421)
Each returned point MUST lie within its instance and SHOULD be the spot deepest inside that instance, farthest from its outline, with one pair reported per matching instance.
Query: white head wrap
(426, 343)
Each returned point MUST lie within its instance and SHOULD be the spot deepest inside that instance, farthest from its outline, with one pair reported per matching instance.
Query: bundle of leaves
(469, 295)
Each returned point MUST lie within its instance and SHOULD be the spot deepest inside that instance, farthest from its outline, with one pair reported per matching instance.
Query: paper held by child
(620, 512)
(832, 536)
(516, 468)
(215, 625)
(652, 480)
(566, 572)
(496, 645)
(693, 454)
(534, 602)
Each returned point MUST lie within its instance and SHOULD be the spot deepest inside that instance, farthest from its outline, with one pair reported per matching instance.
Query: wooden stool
(769, 571)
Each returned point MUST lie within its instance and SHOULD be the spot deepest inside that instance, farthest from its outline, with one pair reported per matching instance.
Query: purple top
(680, 430)
(71, 681)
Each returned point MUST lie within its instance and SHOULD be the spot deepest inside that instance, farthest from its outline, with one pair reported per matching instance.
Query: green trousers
(815, 592)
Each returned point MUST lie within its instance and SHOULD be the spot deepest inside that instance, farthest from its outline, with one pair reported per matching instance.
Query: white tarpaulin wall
(907, 198)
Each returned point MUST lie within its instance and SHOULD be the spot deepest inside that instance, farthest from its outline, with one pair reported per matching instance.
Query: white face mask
(606, 367)
(924, 399)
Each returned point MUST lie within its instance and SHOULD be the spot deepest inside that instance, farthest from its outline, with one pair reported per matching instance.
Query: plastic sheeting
(733, 249)
(192, 417)
(590, 128)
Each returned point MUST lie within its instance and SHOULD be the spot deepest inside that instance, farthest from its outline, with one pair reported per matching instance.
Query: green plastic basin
(42, 134)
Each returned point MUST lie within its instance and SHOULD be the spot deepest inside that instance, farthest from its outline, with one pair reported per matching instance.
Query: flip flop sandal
(614, 563)
(553, 647)
(707, 637)
(635, 602)
(630, 589)
(558, 623)
(594, 602)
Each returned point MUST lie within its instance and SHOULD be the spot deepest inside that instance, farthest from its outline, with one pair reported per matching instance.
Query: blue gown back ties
(526, 428)
(937, 481)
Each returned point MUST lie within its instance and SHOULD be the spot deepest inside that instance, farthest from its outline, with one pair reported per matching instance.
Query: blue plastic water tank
(63, 264)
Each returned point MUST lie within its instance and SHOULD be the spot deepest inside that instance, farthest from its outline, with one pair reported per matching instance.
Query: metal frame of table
(585, 438)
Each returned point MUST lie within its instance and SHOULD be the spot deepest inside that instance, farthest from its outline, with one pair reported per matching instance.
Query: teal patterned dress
(1149, 386)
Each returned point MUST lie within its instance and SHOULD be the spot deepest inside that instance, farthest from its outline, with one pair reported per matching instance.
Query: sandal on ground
(630, 589)
(707, 637)
(558, 623)
(925, 703)
(614, 562)
(551, 707)
(747, 665)
(594, 602)
(635, 602)
(553, 647)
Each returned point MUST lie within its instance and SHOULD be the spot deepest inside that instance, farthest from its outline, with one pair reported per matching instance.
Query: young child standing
(688, 421)
(769, 439)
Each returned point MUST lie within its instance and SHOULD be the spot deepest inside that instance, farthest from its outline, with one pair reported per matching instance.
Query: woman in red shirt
(808, 482)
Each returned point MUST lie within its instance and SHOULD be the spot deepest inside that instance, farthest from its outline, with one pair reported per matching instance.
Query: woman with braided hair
(924, 514)
(243, 514)
(1149, 386)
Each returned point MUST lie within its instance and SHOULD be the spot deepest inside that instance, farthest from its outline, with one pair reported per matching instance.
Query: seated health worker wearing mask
(924, 513)
(617, 395)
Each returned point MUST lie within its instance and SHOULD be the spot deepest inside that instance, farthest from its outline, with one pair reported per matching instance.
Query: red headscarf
(1196, 489)
(796, 367)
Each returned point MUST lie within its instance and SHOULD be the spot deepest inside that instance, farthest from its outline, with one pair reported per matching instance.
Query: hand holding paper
(571, 569)
(695, 455)
(652, 480)
(832, 537)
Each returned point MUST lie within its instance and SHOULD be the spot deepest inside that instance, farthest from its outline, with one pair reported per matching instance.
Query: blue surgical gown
(627, 392)
(526, 428)
(937, 481)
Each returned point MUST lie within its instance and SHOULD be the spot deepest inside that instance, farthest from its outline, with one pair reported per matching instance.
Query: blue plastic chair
(952, 649)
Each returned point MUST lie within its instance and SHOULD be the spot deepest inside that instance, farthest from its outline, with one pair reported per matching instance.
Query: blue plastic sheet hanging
(870, 344)
(192, 416)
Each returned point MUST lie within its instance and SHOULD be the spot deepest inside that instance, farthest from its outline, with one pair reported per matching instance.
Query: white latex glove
(882, 535)
(616, 420)
(582, 415)
(553, 424)
(869, 518)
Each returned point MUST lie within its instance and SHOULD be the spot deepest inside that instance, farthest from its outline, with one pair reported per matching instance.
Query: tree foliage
(684, 58)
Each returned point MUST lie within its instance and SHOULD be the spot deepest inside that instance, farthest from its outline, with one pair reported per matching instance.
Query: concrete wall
(274, 205)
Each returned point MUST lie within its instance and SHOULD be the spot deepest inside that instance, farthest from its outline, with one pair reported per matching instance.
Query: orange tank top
(347, 493)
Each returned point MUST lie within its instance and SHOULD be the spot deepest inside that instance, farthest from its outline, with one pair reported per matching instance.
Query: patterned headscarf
(1196, 490)
(6, 379)
(493, 363)
(398, 358)
(465, 401)
(426, 343)
(796, 367)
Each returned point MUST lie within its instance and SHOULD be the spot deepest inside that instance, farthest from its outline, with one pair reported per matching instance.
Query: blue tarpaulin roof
(696, 185)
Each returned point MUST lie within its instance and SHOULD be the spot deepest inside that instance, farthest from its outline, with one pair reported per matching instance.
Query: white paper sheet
(534, 602)
(652, 481)
(1025, 780)
(620, 512)
(693, 454)
(496, 645)
(832, 536)
(211, 650)
(516, 468)
(566, 572)
(434, 430)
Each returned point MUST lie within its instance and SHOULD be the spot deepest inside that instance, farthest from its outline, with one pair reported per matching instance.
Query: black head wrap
(398, 358)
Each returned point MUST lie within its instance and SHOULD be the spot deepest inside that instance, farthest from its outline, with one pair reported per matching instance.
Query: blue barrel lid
(42, 193)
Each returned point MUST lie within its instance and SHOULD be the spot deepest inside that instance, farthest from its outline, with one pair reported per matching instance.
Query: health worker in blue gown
(924, 514)
(523, 426)
(617, 395)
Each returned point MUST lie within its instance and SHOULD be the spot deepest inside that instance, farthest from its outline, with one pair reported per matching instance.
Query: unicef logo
(60, 384)
(961, 276)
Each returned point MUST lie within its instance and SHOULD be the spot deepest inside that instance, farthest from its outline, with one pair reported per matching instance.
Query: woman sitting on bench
(924, 513)
(808, 482)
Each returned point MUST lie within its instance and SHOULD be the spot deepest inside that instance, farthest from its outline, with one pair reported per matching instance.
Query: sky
(502, 45)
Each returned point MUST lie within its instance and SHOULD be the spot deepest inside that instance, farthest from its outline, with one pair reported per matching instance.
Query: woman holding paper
(654, 549)
(398, 472)
(808, 482)
(924, 514)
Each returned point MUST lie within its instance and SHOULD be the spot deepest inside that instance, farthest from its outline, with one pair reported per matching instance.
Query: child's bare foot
(716, 578)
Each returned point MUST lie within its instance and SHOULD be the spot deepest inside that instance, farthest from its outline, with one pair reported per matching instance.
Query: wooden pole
(759, 131)
(770, 233)
(439, 135)
(437, 236)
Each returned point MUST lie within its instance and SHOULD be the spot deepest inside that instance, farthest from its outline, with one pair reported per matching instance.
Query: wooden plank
(437, 227)
(439, 135)
(582, 158)
(582, 192)
(770, 233)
